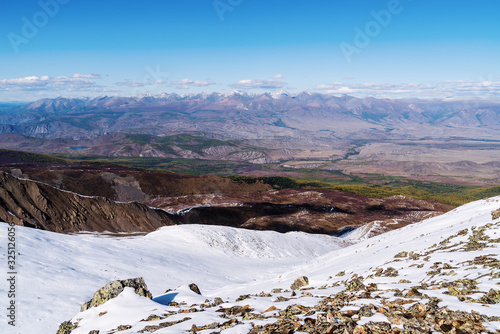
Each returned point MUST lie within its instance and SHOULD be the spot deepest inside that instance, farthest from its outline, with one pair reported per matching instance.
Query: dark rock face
(113, 289)
(39, 205)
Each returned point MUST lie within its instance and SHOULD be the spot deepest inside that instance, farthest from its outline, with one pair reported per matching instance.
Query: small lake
(77, 148)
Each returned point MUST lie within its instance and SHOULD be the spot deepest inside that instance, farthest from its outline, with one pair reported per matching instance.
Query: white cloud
(463, 88)
(187, 83)
(277, 76)
(258, 83)
(86, 76)
(76, 82)
(134, 84)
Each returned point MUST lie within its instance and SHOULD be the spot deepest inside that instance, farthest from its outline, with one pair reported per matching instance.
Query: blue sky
(419, 48)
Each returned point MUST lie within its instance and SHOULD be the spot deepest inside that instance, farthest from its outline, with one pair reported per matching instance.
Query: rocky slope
(38, 205)
(437, 276)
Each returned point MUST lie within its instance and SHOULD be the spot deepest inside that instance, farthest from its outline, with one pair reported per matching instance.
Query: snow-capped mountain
(440, 275)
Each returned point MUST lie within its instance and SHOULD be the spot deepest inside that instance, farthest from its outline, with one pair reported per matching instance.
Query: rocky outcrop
(38, 205)
(113, 289)
(107, 292)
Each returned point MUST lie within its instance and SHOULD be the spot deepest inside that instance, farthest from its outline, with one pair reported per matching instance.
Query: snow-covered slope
(420, 275)
(58, 272)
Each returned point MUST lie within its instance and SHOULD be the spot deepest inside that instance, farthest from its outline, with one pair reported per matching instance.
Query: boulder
(193, 287)
(299, 282)
(66, 327)
(113, 289)
(495, 214)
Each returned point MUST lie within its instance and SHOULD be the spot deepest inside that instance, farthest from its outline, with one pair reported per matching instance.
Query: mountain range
(242, 115)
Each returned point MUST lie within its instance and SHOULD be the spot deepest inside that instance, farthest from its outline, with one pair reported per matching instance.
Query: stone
(401, 254)
(113, 289)
(365, 311)
(212, 325)
(217, 301)
(123, 327)
(153, 317)
(66, 327)
(154, 328)
(236, 310)
(379, 327)
(359, 330)
(299, 282)
(270, 309)
(356, 284)
(242, 297)
(492, 297)
(495, 214)
(413, 292)
(193, 287)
